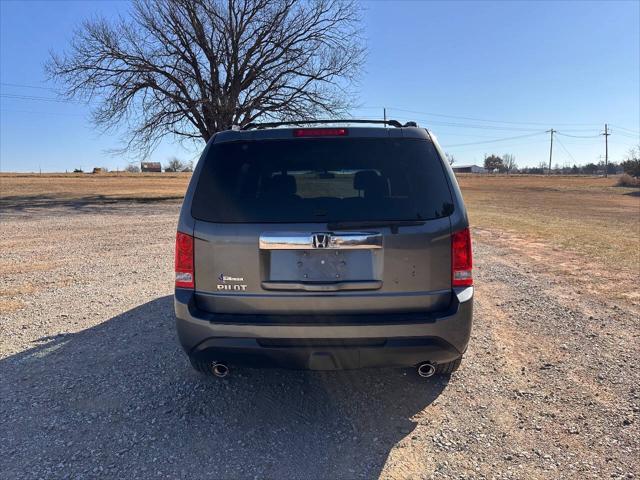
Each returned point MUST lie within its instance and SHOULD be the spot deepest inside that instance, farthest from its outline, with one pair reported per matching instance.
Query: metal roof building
(468, 169)
(151, 167)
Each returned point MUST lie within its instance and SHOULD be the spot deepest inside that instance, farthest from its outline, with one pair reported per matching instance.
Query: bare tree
(175, 165)
(450, 158)
(194, 67)
(132, 168)
(509, 162)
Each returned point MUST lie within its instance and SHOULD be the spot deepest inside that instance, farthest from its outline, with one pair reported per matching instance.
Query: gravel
(94, 383)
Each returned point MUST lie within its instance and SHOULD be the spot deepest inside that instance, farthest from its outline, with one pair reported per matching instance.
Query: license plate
(321, 266)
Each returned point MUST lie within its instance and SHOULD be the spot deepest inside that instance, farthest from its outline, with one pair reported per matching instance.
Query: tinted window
(322, 180)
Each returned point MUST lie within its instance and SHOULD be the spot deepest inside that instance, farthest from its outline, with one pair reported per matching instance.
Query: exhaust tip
(426, 369)
(220, 370)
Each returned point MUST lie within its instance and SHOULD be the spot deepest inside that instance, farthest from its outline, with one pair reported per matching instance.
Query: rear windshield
(321, 180)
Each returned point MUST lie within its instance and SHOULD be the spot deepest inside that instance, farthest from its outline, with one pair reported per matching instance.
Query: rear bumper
(325, 342)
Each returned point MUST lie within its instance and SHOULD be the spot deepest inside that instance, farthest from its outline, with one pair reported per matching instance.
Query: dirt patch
(593, 277)
(9, 305)
(588, 216)
(11, 291)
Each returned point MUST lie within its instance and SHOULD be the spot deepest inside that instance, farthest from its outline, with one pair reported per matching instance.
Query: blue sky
(470, 71)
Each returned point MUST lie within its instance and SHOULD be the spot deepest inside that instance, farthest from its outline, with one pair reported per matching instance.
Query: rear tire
(448, 368)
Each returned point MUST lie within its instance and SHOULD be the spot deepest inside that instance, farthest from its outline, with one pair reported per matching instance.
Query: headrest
(371, 183)
(282, 185)
(363, 178)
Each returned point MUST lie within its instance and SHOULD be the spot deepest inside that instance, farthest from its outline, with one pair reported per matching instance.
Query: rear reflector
(461, 259)
(184, 260)
(320, 132)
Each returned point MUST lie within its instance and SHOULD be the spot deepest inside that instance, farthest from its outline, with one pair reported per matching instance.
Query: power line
(35, 98)
(627, 129)
(501, 145)
(508, 122)
(494, 141)
(32, 112)
(629, 135)
(20, 85)
(567, 151)
(583, 143)
(430, 122)
(456, 134)
(578, 136)
(632, 145)
(484, 120)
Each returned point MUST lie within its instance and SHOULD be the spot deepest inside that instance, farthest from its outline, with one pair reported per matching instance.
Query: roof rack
(393, 123)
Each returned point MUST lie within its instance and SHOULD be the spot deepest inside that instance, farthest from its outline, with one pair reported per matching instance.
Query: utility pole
(384, 114)
(552, 131)
(606, 149)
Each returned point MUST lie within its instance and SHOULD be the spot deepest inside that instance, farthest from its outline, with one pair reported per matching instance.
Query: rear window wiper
(393, 224)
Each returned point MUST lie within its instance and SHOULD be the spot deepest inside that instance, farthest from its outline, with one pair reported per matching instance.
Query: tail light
(461, 259)
(184, 260)
(320, 132)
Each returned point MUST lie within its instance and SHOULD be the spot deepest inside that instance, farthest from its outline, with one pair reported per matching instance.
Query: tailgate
(270, 270)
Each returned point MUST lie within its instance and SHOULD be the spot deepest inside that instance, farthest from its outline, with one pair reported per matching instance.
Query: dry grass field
(584, 214)
(51, 189)
(583, 227)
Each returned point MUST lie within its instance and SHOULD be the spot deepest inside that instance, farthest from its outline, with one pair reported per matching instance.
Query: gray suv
(324, 248)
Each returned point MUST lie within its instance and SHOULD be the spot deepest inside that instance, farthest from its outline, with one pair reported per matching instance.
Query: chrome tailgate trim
(320, 240)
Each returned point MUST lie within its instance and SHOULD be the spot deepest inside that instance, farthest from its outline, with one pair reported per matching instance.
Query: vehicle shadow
(121, 400)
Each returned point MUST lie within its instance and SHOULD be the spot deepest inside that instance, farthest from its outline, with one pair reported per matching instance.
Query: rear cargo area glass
(321, 180)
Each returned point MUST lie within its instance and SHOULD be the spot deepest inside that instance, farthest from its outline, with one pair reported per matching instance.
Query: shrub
(631, 164)
(627, 180)
(631, 167)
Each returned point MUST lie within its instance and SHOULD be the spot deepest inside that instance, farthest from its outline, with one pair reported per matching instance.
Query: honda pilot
(324, 246)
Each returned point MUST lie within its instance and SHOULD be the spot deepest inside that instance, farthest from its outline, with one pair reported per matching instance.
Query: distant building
(98, 170)
(468, 169)
(150, 167)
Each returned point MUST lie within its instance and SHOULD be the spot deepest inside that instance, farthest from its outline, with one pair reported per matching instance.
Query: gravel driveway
(94, 384)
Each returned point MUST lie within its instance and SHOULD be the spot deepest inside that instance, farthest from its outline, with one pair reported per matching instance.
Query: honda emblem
(321, 240)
